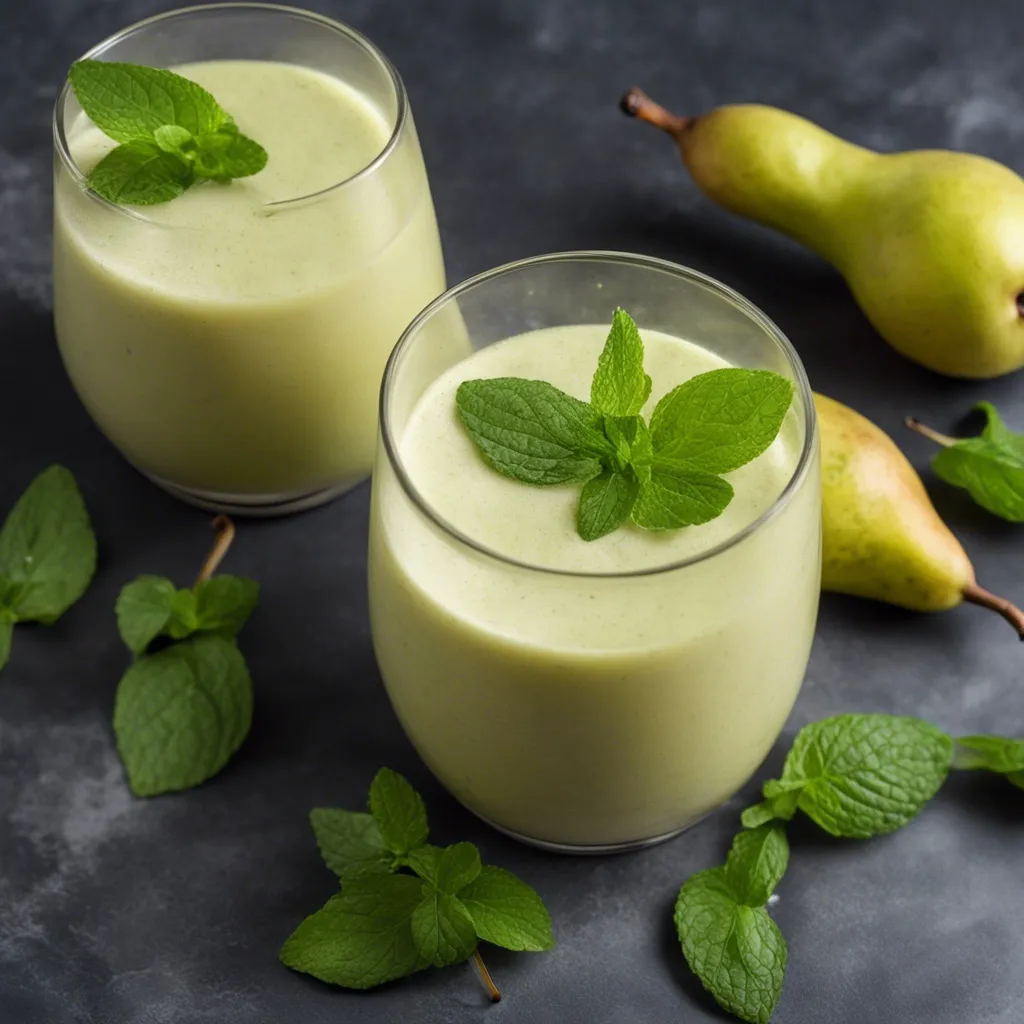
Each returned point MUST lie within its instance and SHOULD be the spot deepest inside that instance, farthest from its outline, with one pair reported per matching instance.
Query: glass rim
(760, 318)
(60, 141)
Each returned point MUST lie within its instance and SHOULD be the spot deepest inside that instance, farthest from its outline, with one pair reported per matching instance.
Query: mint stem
(485, 976)
(225, 535)
(980, 596)
(933, 435)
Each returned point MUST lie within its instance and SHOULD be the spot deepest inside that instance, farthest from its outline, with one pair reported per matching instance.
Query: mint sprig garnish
(182, 712)
(47, 554)
(989, 467)
(172, 133)
(858, 775)
(387, 924)
(664, 476)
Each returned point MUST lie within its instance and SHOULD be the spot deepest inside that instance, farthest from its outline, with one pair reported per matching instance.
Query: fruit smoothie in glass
(587, 695)
(231, 342)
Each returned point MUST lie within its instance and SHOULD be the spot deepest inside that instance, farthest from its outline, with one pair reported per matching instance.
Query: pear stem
(225, 535)
(636, 103)
(493, 992)
(933, 435)
(979, 595)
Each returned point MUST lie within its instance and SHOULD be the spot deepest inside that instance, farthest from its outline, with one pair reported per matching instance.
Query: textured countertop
(117, 911)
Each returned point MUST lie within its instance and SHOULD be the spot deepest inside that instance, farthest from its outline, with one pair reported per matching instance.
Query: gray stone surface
(117, 911)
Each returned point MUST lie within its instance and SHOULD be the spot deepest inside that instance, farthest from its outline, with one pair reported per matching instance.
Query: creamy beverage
(231, 342)
(566, 706)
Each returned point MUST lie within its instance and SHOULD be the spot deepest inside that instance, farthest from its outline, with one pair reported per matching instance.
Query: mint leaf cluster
(183, 710)
(404, 904)
(662, 476)
(47, 554)
(172, 133)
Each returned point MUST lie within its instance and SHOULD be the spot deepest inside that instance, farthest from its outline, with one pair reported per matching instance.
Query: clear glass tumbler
(229, 345)
(591, 712)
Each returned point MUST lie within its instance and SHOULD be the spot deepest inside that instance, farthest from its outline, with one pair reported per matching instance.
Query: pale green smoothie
(564, 706)
(231, 342)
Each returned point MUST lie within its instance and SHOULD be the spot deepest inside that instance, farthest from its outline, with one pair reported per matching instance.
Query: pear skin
(881, 536)
(930, 242)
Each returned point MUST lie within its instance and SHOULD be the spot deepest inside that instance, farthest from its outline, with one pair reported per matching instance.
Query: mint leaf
(171, 138)
(605, 503)
(349, 842)
(143, 611)
(442, 929)
(736, 950)
(721, 420)
(181, 714)
(677, 496)
(6, 635)
(531, 431)
(632, 443)
(990, 467)
(459, 866)
(620, 387)
(781, 806)
(756, 863)
(47, 550)
(129, 102)
(999, 754)
(862, 775)
(425, 860)
(362, 937)
(227, 154)
(140, 173)
(506, 911)
(224, 603)
(399, 812)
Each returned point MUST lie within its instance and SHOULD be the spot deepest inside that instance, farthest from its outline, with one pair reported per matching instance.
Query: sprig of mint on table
(47, 554)
(404, 904)
(172, 133)
(989, 467)
(183, 710)
(663, 475)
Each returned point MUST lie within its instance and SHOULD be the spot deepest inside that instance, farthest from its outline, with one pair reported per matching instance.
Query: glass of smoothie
(586, 696)
(231, 342)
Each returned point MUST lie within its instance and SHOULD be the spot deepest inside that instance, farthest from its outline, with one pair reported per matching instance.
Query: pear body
(881, 535)
(931, 242)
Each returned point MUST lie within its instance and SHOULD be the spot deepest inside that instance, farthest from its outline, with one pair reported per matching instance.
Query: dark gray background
(128, 912)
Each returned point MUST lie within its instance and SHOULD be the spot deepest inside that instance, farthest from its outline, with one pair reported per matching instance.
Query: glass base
(589, 849)
(263, 506)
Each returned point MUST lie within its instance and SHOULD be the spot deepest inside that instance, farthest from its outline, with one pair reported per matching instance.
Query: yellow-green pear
(881, 535)
(931, 242)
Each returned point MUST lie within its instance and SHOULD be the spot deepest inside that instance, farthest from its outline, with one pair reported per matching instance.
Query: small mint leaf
(632, 442)
(620, 386)
(425, 860)
(224, 603)
(171, 137)
(399, 812)
(143, 611)
(228, 154)
(999, 754)
(140, 174)
(759, 814)
(676, 496)
(756, 863)
(349, 842)
(605, 503)
(506, 911)
(531, 431)
(460, 865)
(442, 929)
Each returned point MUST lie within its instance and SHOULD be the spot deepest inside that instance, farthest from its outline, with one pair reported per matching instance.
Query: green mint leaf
(425, 860)
(349, 842)
(756, 864)
(140, 174)
(780, 806)
(442, 929)
(47, 550)
(531, 431)
(362, 937)
(620, 386)
(990, 467)
(399, 812)
(759, 814)
(227, 154)
(143, 611)
(184, 620)
(507, 912)
(736, 951)
(6, 635)
(448, 868)
(224, 603)
(999, 754)
(181, 714)
(863, 775)
(677, 496)
(721, 420)
(171, 138)
(605, 503)
(632, 442)
(129, 102)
